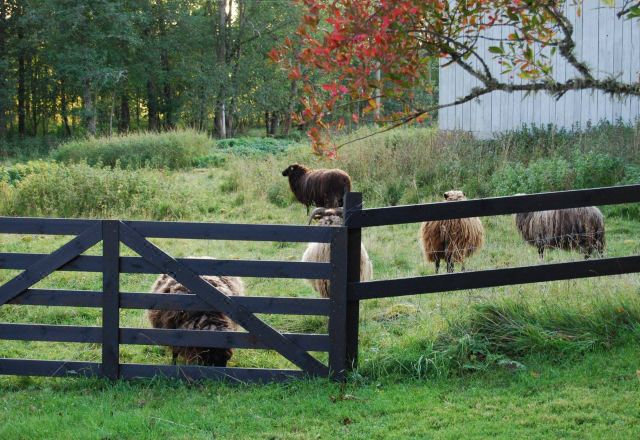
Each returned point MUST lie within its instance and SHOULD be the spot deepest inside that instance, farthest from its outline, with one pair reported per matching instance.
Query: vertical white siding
(607, 44)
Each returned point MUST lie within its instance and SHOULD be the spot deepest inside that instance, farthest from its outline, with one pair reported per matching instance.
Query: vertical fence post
(352, 203)
(110, 299)
(338, 305)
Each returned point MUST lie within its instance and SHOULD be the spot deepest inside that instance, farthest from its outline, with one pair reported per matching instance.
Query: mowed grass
(594, 398)
(541, 360)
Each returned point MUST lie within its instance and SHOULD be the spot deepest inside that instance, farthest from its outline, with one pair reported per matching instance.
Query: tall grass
(172, 150)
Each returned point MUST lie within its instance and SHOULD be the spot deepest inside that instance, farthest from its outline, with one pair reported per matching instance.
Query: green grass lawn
(546, 360)
(594, 397)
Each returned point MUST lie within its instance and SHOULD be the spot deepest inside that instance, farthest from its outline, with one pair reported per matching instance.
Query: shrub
(249, 146)
(173, 150)
(542, 175)
(15, 173)
(593, 169)
(279, 195)
(82, 191)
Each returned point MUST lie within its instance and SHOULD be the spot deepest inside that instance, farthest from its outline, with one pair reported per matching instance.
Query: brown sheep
(195, 320)
(451, 240)
(324, 188)
(581, 229)
(321, 252)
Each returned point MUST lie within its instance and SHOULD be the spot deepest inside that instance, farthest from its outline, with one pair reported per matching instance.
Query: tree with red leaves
(366, 49)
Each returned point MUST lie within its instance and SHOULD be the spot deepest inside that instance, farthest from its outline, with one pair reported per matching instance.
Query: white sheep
(321, 252)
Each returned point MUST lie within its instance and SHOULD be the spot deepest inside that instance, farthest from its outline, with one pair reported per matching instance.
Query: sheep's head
(294, 169)
(327, 217)
(454, 195)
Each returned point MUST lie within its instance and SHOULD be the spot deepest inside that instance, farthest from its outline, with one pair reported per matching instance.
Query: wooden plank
(353, 206)
(338, 301)
(495, 277)
(149, 336)
(44, 226)
(45, 266)
(192, 372)
(246, 268)
(239, 268)
(50, 333)
(255, 304)
(225, 304)
(236, 232)
(216, 339)
(167, 301)
(495, 206)
(110, 298)
(29, 367)
(54, 297)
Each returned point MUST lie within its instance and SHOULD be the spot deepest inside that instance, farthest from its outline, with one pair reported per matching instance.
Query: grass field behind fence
(556, 359)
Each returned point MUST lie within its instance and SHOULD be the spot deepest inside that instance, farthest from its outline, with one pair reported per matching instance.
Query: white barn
(608, 45)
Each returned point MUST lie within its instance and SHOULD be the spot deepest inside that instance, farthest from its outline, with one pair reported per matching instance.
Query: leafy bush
(173, 150)
(593, 169)
(79, 190)
(28, 148)
(249, 146)
(213, 160)
(279, 195)
(15, 173)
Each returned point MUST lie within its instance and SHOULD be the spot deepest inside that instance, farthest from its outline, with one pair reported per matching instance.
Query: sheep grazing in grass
(579, 229)
(451, 240)
(324, 188)
(321, 252)
(187, 320)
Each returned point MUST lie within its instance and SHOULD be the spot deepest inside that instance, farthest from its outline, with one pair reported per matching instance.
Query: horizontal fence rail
(494, 278)
(167, 301)
(242, 268)
(29, 367)
(493, 206)
(178, 230)
(168, 337)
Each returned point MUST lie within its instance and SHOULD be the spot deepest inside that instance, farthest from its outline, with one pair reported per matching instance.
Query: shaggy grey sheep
(187, 320)
(581, 229)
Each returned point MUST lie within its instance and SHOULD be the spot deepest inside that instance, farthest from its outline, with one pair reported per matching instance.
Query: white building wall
(607, 44)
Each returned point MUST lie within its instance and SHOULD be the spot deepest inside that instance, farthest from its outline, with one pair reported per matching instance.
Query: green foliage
(13, 174)
(28, 148)
(80, 190)
(212, 160)
(279, 195)
(253, 146)
(172, 150)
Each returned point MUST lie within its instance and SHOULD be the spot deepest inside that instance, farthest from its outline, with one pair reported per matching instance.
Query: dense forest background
(78, 67)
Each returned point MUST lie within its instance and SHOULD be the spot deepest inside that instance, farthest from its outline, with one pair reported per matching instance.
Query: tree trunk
(4, 98)
(221, 58)
(169, 123)
(125, 112)
(64, 109)
(90, 116)
(22, 115)
(152, 106)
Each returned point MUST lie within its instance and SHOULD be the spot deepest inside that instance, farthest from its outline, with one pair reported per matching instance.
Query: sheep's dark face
(293, 170)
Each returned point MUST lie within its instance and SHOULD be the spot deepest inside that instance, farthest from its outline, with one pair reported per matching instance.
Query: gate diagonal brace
(240, 314)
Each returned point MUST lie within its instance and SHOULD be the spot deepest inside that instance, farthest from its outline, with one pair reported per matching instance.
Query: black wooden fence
(258, 335)
(357, 218)
(342, 308)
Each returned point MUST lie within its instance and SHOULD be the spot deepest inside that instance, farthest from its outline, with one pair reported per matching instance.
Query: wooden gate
(152, 259)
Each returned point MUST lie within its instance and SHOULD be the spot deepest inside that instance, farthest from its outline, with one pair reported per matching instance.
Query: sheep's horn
(316, 212)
